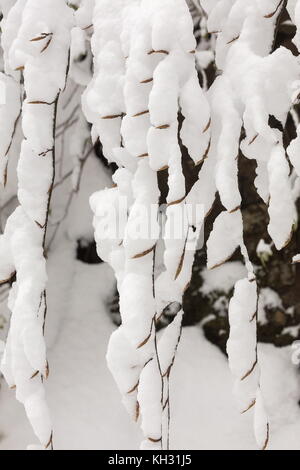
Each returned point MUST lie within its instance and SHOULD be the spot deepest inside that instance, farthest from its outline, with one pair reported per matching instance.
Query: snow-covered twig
(150, 72)
(243, 97)
(41, 39)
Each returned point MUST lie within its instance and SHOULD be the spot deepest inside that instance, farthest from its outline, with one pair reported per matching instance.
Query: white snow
(85, 403)
(144, 74)
(263, 248)
(10, 95)
(224, 239)
(267, 298)
(223, 277)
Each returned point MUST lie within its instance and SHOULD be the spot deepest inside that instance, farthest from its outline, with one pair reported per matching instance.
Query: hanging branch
(241, 98)
(24, 363)
(145, 113)
(9, 117)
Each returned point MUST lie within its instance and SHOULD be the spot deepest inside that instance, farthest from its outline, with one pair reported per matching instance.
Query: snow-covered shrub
(144, 103)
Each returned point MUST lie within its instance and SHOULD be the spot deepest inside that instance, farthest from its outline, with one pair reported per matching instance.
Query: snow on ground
(85, 403)
(204, 409)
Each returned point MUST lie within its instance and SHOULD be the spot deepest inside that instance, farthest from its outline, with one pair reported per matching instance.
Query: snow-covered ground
(85, 403)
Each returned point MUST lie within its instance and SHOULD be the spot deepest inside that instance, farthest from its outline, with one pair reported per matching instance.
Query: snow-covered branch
(39, 47)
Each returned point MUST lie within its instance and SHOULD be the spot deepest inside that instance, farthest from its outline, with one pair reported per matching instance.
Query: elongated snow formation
(36, 42)
(243, 97)
(10, 92)
(256, 83)
(150, 73)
